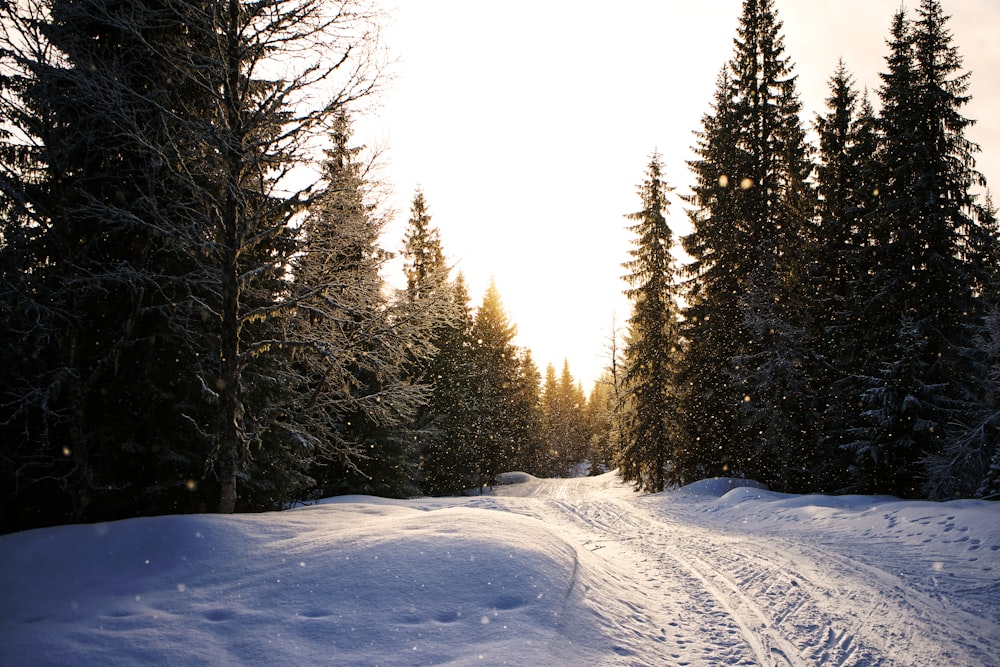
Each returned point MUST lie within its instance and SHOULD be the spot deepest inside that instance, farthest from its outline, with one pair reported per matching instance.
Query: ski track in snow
(692, 595)
(539, 572)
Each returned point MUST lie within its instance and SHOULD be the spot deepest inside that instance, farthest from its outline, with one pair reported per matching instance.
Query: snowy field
(541, 572)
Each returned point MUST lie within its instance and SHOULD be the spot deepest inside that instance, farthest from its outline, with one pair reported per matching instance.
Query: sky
(539, 572)
(528, 126)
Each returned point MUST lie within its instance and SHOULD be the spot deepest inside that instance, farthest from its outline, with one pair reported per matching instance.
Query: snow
(538, 572)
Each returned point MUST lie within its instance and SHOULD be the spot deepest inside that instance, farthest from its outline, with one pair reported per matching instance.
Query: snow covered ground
(542, 572)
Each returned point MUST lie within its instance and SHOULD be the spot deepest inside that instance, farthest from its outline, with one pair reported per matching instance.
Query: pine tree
(839, 265)
(162, 232)
(931, 238)
(351, 345)
(753, 177)
(447, 457)
(498, 428)
(713, 329)
(649, 441)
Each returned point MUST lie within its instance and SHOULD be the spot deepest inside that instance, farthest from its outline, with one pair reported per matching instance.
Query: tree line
(835, 326)
(195, 314)
(487, 410)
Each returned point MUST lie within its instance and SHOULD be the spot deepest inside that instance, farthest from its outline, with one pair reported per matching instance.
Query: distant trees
(564, 422)
(603, 425)
(484, 414)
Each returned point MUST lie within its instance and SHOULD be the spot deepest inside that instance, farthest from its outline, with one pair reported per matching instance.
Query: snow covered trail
(683, 579)
(539, 573)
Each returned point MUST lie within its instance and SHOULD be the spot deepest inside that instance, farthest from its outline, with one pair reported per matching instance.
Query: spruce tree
(969, 463)
(776, 214)
(653, 345)
(105, 406)
(446, 431)
(713, 328)
(839, 265)
(753, 229)
(162, 229)
(350, 343)
(577, 401)
(498, 429)
(440, 427)
(931, 239)
(552, 418)
(532, 455)
(564, 421)
(258, 130)
(428, 289)
(426, 269)
(601, 428)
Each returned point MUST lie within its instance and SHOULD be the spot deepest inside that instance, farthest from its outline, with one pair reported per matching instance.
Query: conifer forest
(198, 313)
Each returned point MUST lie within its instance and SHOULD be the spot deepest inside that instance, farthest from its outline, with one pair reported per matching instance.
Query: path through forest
(689, 591)
(560, 572)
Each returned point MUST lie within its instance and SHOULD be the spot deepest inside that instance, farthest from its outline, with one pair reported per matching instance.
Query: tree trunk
(230, 435)
(230, 399)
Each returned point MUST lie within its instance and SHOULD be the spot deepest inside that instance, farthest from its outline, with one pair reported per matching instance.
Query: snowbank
(345, 583)
(718, 486)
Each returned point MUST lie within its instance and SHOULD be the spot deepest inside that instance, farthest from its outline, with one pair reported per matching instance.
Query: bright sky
(529, 124)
